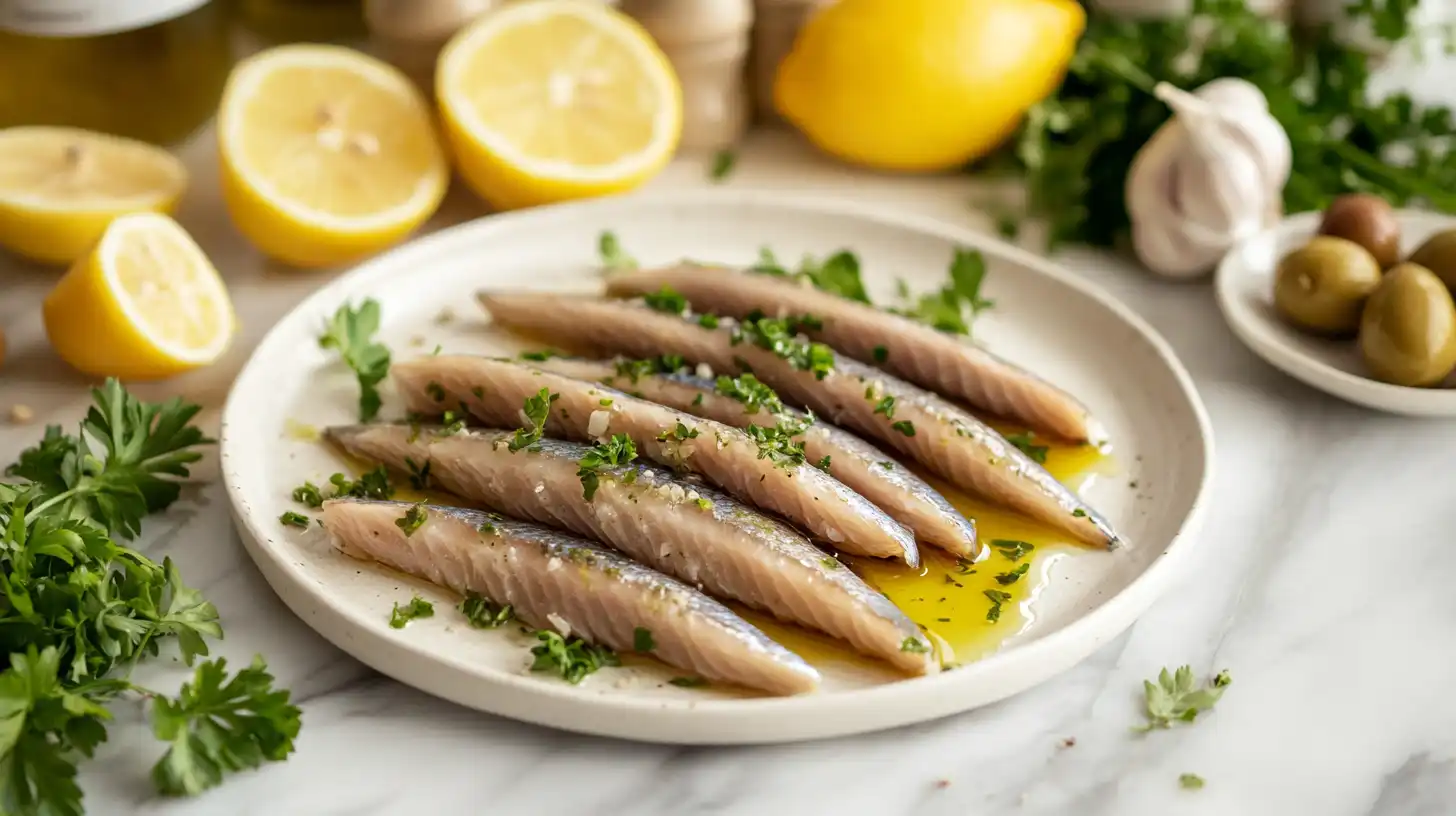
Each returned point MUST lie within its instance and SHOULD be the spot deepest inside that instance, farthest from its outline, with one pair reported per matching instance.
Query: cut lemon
(60, 187)
(328, 155)
(144, 304)
(550, 100)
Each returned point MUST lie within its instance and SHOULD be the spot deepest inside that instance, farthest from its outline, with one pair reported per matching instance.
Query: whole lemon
(923, 84)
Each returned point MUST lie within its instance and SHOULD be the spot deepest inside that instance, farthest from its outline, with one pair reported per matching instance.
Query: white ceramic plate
(1045, 318)
(1245, 289)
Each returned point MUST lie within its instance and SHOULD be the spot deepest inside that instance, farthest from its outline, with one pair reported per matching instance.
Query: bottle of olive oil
(147, 69)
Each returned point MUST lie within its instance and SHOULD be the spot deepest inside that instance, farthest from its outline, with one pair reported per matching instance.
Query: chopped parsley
(642, 640)
(838, 274)
(823, 464)
(880, 354)
(292, 519)
(681, 433)
(480, 613)
(776, 443)
(453, 423)
(571, 660)
(776, 335)
(604, 402)
(478, 392)
(486, 528)
(372, 484)
(886, 465)
(965, 566)
(1011, 549)
(419, 475)
(723, 162)
(417, 608)
(914, 645)
(905, 427)
(612, 255)
(435, 390)
(997, 598)
(1079, 513)
(1190, 781)
(708, 321)
(541, 356)
(308, 494)
(637, 369)
(1026, 442)
(886, 406)
(831, 562)
(698, 400)
(351, 331)
(1009, 578)
(1175, 698)
(619, 450)
(953, 307)
(748, 390)
(535, 409)
(666, 300)
(412, 520)
(688, 682)
(703, 504)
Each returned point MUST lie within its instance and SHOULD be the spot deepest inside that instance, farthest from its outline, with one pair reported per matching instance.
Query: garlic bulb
(1211, 176)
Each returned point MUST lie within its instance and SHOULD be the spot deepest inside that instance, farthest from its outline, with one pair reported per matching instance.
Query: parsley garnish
(454, 423)
(952, 308)
(831, 562)
(435, 390)
(637, 369)
(482, 614)
(417, 608)
(412, 520)
(1009, 578)
(688, 682)
(880, 354)
(1189, 781)
(1024, 441)
(886, 406)
(776, 336)
(351, 332)
(619, 450)
(747, 389)
(419, 475)
(642, 640)
(308, 494)
(681, 433)
(486, 528)
(535, 409)
(997, 598)
(1011, 549)
(838, 274)
(292, 519)
(723, 162)
(373, 484)
(905, 427)
(541, 356)
(914, 645)
(571, 660)
(1079, 513)
(823, 464)
(666, 300)
(610, 250)
(776, 443)
(1174, 698)
(708, 321)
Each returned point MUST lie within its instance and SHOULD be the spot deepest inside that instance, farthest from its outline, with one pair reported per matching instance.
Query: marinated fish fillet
(907, 498)
(553, 580)
(941, 436)
(686, 530)
(912, 350)
(495, 391)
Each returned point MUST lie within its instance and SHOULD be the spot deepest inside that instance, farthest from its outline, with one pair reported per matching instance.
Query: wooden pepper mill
(707, 43)
(776, 25)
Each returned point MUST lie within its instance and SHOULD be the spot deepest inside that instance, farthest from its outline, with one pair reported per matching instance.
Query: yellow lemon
(923, 85)
(145, 303)
(328, 155)
(60, 187)
(550, 100)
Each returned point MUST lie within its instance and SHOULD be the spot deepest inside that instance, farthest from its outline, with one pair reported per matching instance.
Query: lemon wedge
(550, 100)
(60, 187)
(144, 304)
(328, 154)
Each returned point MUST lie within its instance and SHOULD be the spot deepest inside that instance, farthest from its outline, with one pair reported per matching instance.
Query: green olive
(1438, 254)
(1408, 329)
(1368, 221)
(1322, 286)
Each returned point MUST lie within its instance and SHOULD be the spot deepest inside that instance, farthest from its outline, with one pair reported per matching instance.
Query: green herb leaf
(823, 464)
(905, 427)
(373, 484)
(680, 433)
(1190, 781)
(412, 520)
(723, 162)
(1011, 549)
(480, 613)
(308, 494)
(748, 390)
(914, 645)
(417, 608)
(688, 682)
(886, 406)
(880, 354)
(642, 640)
(351, 332)
(666, 300)
(571, 660)
(1176, 698)
(617, 451)
(541, 356)
(535, 410)
(997, 598)
(612, 255)
(954, 306)
(777, 442)
(292, 519)
(1009, 578)
(1026, 443)
(775, 335)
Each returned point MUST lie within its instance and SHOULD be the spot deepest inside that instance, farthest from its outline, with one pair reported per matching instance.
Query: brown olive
(1368, 221)
(1322, 286)
(1408, 329)
(1438, 254)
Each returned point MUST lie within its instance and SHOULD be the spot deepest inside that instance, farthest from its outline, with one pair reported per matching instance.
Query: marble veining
(1322, 581)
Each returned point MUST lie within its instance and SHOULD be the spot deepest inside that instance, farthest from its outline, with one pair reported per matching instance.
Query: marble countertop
(1322, 582)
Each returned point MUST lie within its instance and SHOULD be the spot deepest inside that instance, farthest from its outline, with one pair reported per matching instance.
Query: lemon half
(550, 100)
(144, 304)
(328, 154)
(60, 187)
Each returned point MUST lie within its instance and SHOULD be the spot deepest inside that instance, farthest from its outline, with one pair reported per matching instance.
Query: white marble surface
(1323, 582)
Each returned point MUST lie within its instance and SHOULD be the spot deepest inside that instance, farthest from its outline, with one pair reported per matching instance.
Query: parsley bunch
(79, 610)
(1076, 147)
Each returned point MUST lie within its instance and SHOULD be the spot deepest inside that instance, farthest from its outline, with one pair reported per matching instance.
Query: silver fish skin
(943, 437)
(911, 350)
(684, 529)
(553, 580)
(864, 468)
(495, 391)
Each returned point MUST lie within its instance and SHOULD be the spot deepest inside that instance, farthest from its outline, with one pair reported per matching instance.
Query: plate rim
(1059, 649)
(1257, 336)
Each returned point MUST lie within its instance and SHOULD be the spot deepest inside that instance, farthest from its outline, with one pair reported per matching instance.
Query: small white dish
(1244, 286)
(1045, 318)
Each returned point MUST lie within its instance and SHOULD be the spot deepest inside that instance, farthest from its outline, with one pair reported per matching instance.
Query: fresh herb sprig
(777, 335)
(614, 258)
(570, 659)
(748, 390)
(838, 274)
(79, 610)
(953, 307)
(534, 410)
(1177, 698)
(351, 332)
(480, 613)
(417, 609)
(615, 452)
